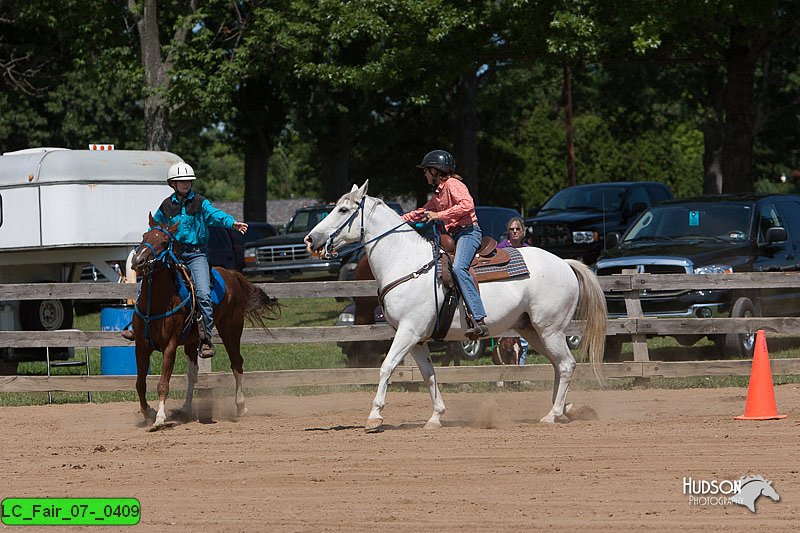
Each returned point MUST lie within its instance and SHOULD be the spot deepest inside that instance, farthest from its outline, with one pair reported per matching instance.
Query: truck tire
(470, 350)
(740, 345)
(45, 315)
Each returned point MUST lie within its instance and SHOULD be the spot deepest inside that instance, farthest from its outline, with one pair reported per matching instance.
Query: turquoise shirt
(193, 228)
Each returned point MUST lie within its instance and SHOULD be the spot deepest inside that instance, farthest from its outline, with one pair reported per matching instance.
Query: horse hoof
(158, 427)
(241, 410)
(569, 410)
(432, 425)
(549, 419)
(373, 424)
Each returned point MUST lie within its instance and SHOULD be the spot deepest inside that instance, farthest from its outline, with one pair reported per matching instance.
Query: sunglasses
(514, 229)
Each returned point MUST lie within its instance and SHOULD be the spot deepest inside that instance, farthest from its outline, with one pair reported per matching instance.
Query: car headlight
(714, 269)
(249, 255)
(345, 319)
(584, 237)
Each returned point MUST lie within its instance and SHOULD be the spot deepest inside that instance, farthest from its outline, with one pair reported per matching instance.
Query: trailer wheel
(45, 315)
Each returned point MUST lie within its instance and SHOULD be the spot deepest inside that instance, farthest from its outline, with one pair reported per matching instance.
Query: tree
(157, 61)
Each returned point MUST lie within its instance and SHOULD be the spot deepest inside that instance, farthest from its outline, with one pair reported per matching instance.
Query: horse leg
(423, 358)
(554, 347)
(404, 340)
(231, 335)
(191, 374)
(167, 365)
(142, 365)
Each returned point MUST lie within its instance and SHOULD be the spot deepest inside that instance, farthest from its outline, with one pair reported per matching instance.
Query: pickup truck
(574, 222)
(703, 235)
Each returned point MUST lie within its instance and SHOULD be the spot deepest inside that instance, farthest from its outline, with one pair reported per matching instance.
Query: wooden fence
(634, 325)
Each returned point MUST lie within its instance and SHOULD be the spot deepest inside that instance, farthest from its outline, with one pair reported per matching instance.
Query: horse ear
(152, 220)
(173, 228)
(354, 189)
(363, 190)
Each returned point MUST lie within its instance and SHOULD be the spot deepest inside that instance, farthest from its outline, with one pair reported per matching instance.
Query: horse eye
(343, 210)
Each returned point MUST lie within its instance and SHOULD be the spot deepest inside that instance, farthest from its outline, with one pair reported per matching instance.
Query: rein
(330, 253)
(168, 260)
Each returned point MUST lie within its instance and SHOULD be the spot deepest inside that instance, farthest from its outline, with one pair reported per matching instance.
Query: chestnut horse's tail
(258, 305)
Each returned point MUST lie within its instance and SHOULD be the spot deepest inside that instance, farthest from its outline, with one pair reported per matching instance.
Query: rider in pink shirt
(452, 206)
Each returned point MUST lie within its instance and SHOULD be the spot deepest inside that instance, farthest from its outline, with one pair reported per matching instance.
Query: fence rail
(629, 284)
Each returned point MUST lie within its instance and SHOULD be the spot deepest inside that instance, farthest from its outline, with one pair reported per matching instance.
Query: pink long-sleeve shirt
(452, 201)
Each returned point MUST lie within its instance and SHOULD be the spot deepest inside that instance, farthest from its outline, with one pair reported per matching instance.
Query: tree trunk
(466, 126)
(571, 177)
(334, 147)
(712, 157)
(737, 152)
(156, 70)
(260, 117)
(256, 163)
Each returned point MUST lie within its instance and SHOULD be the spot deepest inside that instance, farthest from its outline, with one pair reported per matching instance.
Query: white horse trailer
(62, 209)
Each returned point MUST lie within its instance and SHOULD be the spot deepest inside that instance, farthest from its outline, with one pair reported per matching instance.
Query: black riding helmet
(440, 160)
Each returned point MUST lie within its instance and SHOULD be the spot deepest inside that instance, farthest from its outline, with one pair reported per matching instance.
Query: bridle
(168, 260)
(328, 251)
(165, 257)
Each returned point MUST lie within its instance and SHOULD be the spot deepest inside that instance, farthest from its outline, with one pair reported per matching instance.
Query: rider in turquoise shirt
(194, 214)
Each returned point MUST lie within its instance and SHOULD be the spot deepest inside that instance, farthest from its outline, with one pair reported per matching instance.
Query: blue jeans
(197, 261)
(524, 355)
(468, 240)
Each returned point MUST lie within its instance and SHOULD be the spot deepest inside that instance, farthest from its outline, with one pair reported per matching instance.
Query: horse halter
(328, 251)
(163, 257)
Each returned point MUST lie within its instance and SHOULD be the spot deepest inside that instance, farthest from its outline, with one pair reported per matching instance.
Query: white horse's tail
(592, 308)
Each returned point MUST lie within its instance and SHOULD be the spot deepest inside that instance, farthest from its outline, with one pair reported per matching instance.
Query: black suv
(711, 234)
(574, 222)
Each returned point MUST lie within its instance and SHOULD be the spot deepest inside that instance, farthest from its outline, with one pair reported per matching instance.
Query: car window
(304, 221)
(493, 220)
(658, 194)
(790, 209)
(597, 198)
(719, 220)
(770, 218)
(638, 195)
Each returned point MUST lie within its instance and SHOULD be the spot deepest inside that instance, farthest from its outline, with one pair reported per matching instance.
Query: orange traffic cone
(760, 393)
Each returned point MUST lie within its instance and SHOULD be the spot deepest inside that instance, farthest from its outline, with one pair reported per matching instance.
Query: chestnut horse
(164, 320)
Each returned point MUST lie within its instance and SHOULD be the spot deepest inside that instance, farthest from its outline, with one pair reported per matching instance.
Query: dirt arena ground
(305, 463)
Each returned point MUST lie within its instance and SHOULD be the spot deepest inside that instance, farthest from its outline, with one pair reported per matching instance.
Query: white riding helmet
(180, 172)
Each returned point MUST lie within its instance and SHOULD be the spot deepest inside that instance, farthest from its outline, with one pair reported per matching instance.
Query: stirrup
(477, 331)
(207, 350)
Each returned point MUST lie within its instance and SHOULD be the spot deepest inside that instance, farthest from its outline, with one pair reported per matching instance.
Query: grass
(323, 311)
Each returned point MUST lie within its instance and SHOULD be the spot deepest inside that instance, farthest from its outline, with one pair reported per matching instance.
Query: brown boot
(128, 334)
(477, 331)
(207, 349)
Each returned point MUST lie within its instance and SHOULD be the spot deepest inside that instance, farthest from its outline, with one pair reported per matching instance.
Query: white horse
(539, 307)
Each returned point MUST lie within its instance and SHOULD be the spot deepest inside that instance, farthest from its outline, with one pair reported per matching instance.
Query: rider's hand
(431, 216)
(241, 227)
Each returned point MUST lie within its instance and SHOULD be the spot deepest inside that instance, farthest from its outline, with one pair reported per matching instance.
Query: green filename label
(70, 511)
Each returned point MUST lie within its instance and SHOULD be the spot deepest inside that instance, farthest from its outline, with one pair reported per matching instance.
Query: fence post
(633, 306)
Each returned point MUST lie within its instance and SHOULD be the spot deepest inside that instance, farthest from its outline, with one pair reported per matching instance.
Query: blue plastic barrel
(117, 360)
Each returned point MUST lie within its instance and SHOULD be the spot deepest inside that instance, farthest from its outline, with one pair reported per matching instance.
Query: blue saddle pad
(217, 288)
